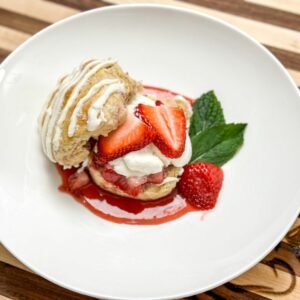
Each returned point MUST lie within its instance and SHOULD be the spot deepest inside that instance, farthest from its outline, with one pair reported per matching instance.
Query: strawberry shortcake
(99, 120)
(136, 154)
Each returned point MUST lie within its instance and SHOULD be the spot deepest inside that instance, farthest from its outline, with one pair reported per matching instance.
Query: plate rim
(191, 11)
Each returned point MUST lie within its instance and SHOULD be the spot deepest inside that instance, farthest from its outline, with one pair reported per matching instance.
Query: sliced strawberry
(109, 174)
(169, 124)
(200, 184)
(77, 180)
(131, 136)
(157, 177)
(132, 185)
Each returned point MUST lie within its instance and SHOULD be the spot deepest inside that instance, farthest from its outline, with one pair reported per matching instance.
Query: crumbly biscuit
(75, 149)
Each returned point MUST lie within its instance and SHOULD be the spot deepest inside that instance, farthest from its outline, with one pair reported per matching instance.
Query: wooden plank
(21, 22)
(268, 34)
(233, 292)
(293, 236)
(286, 5)
(19, 284)
(289, 59)
(3, 54)
(262, 280)
(8, 258)
(253, 11)
(4, 298)
(41, 10)
(82, 4)
(11, 39)
(287, 253)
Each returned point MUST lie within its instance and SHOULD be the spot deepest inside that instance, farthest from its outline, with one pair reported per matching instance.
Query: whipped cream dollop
(138, 163)
(149, 160)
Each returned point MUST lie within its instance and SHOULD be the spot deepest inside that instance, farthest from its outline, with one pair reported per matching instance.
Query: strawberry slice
(130, 136)
(157, 177)
(132, 185)
(169, 124)
(78, 180)
(200, 184)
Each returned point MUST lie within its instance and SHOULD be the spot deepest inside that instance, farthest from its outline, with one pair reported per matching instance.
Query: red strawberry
(130, 185)
(157, 177)
(131, 136)
(200, 184)
(169, 124)
(78, 180)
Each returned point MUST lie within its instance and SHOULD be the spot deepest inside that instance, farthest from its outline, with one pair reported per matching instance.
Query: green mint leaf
(207, 112)
(217, 144)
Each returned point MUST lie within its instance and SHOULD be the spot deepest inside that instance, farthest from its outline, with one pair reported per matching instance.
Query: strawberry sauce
(119, 209)
(124, 210)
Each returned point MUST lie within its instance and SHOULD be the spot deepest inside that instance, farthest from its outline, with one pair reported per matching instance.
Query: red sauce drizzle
(127, 210)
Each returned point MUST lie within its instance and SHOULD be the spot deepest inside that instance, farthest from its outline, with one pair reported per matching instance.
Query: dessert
(134, 154)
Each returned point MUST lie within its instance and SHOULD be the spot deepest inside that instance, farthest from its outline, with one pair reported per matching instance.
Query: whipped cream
(138, 163)
(149, 160)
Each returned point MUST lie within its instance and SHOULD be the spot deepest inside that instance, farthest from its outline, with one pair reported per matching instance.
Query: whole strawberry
(200, 184)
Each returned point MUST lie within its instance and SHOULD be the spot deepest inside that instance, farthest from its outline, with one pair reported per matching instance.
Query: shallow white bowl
(184, 51)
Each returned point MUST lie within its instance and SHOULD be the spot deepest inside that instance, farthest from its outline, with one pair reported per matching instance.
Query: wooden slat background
(276, 24)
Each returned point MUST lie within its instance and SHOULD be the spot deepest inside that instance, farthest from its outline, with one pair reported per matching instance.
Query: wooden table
(276, 24)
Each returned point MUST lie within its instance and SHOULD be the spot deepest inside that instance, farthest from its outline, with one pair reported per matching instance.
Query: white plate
(184, 51)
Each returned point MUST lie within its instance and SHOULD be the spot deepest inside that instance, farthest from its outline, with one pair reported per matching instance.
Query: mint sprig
(212, 140)
(217, 144)
(207, 112)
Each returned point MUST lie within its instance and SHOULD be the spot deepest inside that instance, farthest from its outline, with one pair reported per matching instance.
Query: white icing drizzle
(54, 114)
(78, 109)
(83, 80)
(95, 115)
(50, 120)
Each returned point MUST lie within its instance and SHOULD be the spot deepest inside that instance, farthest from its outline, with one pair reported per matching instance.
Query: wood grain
(253, 11)
(18, 284)
(10, 39)
(284, 5)
(8, 258)
(41, 10)
(232, 292)
(20, 22)
(3, 54)
(285, 252)
(271, 284)
(267, 34)
(82, 4)
(4, 298)
(288, 58)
